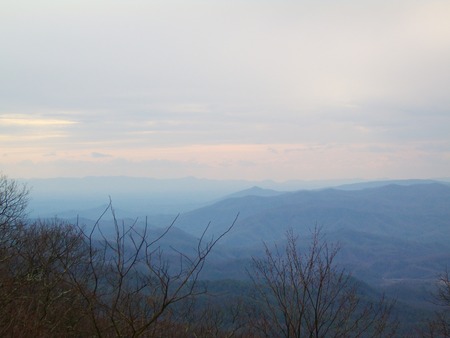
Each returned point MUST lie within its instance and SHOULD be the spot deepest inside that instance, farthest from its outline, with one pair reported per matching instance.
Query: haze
(225, 89)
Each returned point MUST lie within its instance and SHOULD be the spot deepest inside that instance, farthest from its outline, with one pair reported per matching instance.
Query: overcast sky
(242, 89)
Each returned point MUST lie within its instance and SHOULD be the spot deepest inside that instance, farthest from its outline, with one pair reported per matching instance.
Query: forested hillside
(322, 258)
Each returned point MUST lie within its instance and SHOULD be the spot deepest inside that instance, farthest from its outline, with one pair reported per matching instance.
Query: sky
(225, 89)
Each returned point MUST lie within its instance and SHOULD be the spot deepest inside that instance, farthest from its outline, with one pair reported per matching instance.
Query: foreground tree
(13, 201)
(305, 294)
(128, 284)
(36, 298)
(440, 325)
(61, 279)
(13, 205)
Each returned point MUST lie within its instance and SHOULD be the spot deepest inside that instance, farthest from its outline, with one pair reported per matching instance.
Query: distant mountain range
(145, 196)
(394, 235)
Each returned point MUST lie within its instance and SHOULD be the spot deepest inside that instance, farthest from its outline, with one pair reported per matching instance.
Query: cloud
(99, 155)
(222, 82)
(31, 121)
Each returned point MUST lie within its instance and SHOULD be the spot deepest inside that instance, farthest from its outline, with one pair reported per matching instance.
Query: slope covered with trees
(387, 233)
(64, 279)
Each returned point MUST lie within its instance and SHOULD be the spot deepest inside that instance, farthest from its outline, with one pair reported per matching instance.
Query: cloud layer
(225, 89)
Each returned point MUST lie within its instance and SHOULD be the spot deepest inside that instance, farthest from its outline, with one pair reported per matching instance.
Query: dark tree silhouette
(439, 326)
(36, 296)
(61, 279)
(305, 294)
(13, 205)
(127, 282)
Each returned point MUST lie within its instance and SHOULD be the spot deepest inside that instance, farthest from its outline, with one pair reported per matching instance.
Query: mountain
(371, 210)
(388, 235)
(381, 183)
(255, 191)
(393, 235)
(143, 196)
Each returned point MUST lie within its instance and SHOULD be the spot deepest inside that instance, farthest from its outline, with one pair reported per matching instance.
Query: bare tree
(61, 279)
(305, 294)
(440, 325)
(13, 202)
(215, 317)
(36, 298)
(128, 284)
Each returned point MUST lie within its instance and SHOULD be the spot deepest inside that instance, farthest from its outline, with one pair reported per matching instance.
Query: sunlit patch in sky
(29, 120)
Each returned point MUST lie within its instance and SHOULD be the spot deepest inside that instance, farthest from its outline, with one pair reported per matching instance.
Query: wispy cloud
(30, 121)
(100, 155)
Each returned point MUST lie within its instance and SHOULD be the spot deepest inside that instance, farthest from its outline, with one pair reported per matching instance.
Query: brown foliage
(36, 297)
(60, 279)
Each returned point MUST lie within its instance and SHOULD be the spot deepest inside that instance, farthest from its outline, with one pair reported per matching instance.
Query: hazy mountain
(137, 196)
(331, 208)
(255, 191)
(388, 235)
(377, 184)
(134, 196)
